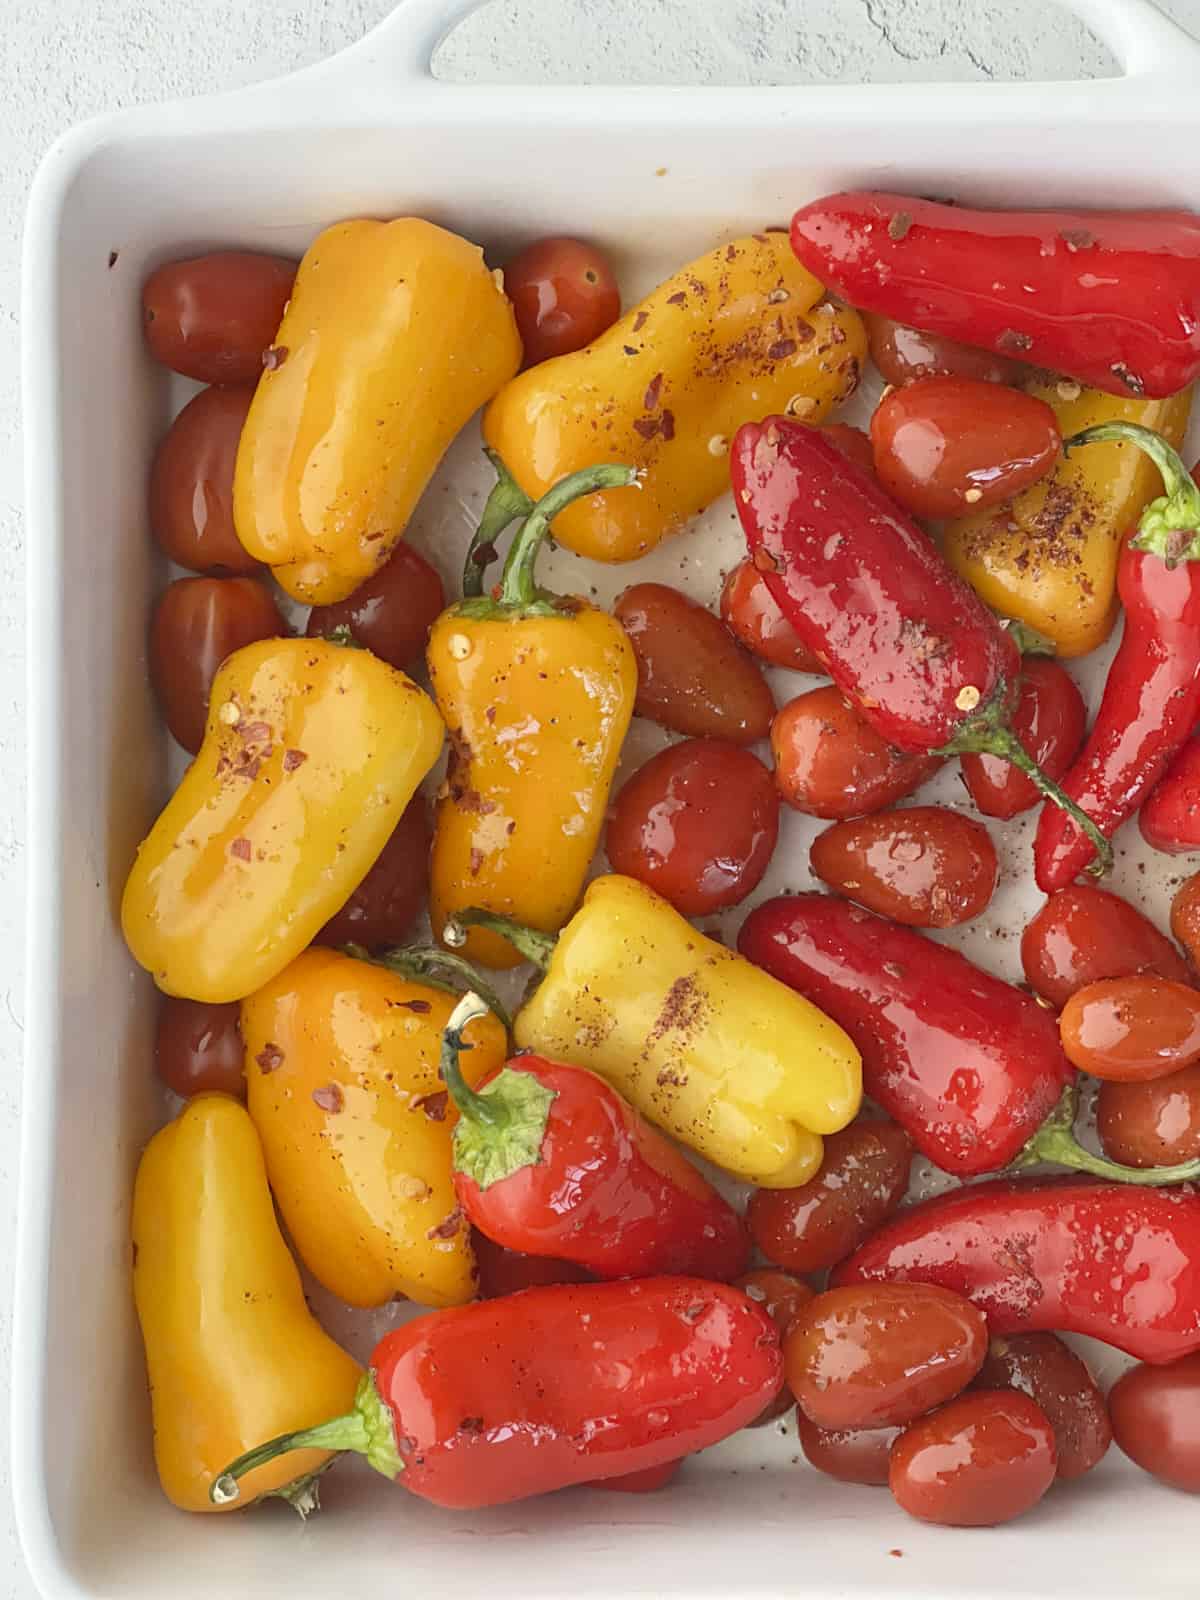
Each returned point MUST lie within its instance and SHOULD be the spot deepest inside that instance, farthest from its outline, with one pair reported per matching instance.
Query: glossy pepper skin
(1170, 818)
(554, 1386)
(1110, 297)
(537, 691)
(707, 1046)
(967, 1065)
(232, 1350)
(343, 1087)
(1117, 1264)
(395, 335)
(737, 333)
(311, 754)
(1049, 556)
(1151, 699)
(551, 1161)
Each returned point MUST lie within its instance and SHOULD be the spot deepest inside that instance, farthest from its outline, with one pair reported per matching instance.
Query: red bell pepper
(1117, 1264)
(1170, 818)
(967, 1065)
(567, 1384)
(1111, 298)
(902, 636)
(550, 1160)
(1151, 697)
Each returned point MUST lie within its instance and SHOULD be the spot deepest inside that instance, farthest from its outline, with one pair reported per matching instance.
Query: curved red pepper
(503, 1399)
(1117, 1264)
(904, 637)
(967, 1065)
(1151, 697)
(1170, 818)
(1111, 298)
(552, 1161)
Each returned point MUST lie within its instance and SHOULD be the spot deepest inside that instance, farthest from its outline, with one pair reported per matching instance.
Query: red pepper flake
(1130, 379)
(630, 350)
(433, 1105)
(650, 403)
(511, 828)
(293, 759)
(274, 358)
(781, 349)
(372, 538)
(764, 561)
(270, 1057)
(895, 1552)
(731, 252)
(899, 225)
(241, 849)
(476, 862)
(330, 1098)
(677, 299)
(1077, 238)
(1011, 339)
(422, 1007)
(490, 713)
(647, 427)
(667, 425)
(471, 1425)
(639, 322)
(253, 732)
(113, 256)
(448, 1227)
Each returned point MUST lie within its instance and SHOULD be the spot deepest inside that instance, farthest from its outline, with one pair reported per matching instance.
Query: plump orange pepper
(537, 692)
(734, 336)
(343, 1087)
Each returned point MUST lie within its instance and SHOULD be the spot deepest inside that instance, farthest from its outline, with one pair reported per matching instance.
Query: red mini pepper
(1170, 818)
(1111, 298)
(550, 1160)
(567, 1384)
(967, 1065)
(1117, 1264)
(902, 636)
(1152, 694)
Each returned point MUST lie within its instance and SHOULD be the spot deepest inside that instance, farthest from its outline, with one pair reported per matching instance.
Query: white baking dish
(656, 175)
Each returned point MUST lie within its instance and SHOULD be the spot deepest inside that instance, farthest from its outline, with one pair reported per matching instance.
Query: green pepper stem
(517, 588)
(426, 964)
(474, 1107)
(505, 504)
(1169, 526)
(1055, 1142)
(1027, 639)
(530, 943)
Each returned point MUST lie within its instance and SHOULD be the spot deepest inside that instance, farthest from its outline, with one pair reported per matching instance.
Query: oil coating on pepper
(343, 1087)
(738, 333)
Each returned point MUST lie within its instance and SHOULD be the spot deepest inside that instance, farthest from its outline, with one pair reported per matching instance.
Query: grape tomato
(564, 294)
(782, 1297)
(981, 1460)
(751, 613)
(830, 762)
(925, 866)
(386, 904)
(390, 613)
(1185, 919)
(1049, 719)
(1155, 1415)
(1151, 1124)
(852, 1455)
(1084, 934)
(1129, 1030)
(903, 354)
(214, 317)
(198, 1048)
(191, 484)
(1049, 1372)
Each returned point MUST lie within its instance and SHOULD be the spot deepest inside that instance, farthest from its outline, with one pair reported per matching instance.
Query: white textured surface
(61, 63)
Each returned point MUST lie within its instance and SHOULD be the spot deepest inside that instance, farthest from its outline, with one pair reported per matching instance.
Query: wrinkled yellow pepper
(233, 1353)
(395, 335)
(311, 753)
(343, 1087)
(715, 1051)
(730, 338)
(1049, 556)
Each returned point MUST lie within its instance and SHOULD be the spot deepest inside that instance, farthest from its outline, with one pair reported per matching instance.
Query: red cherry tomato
(924, 866)
(504, 1271)
(945, 446)
(564, 294)
(853, 1455)
(1185, 920)
(903, 354)
(1156, 1420)
(1049, 720)
(198, 1048)
(1131, 1029)
(1083, 934)
(830, 762)
(782, 1297)
(874, 1355)
(191, 484)
(213, 317)
(673, 827)
(751, 613)
(861, 1181)
(981, 1460)
(388, 901)
(196, 624)
(1153, 1124)
(1043, 1367)
(391, 613)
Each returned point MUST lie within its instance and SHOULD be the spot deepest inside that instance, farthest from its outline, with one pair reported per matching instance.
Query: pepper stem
(502, 1126)
(473, 1106)
(367, 1430)
(505, 504)
(1166, 520)
(1028, 640)
(427, 964)
(531, 943)
(1055, 1142)
(517, 588)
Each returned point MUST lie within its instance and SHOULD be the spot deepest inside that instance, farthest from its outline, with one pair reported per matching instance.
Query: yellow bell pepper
(715, 1051)
(1048, 557)
(233, 1353)
(538, 693)
(343, 1087)
(730, 338)
(311, 753)
(395, 335)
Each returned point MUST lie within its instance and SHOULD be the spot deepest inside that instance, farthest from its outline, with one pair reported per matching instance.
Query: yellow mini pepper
(1048, 557)
(311, 753)
(537, 692)
(711, 1048)
(732, 337)
(343, 1087)
(395, 335)
(233, 1353)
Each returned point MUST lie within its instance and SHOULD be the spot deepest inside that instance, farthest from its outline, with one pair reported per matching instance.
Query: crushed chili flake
(274, 358)
(781, 349)
(630, 350)
(666, 425)
(731, 252)
(433, 1105)
(240, 848)
(490, 713)
(639, 322)
(471, 1425)
(270, 1057)
(647, 427)
(330, 1098)
(650, 403)
(373, 538)
(448, 1226)
(677, 299)
(899, 225)
(293, 759)
(112, 258)
(421, 1006)
(1129, 378)
(477, 859)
